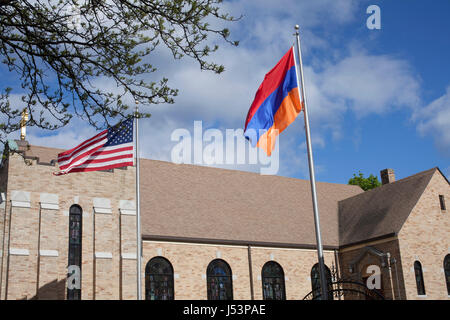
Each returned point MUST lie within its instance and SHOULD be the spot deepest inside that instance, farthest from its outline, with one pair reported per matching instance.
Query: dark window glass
(315, 281)
(159, 279)
(273, 281)
(442, 201)
(419, 278)
(447, 272)
(219, 281)
(75, 236)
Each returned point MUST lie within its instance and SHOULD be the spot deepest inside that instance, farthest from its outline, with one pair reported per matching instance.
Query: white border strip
(102, 210)
(49, 253)
(20, 204)
(19, 252)
(129, 256)
(103, 255)
(127, 212)
(49, 206)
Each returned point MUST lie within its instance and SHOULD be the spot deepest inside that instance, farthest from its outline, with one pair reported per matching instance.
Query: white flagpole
(323, 279)
(138, 211)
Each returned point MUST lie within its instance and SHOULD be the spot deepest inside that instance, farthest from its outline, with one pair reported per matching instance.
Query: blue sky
(377, 98)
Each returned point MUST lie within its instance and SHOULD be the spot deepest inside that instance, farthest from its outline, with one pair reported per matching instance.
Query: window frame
(314, 289)
(171, 283)
(210, 279)
(75, 294)
(263, 278)
(442, 202)
(418, 273)
(447, 272)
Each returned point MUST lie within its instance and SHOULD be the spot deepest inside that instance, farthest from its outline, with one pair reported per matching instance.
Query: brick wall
(38, 242)
(190, 262)
(39, 237)
(358, 258)
(425, 237)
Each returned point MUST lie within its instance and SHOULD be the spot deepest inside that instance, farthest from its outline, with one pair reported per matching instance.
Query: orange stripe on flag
(289, 109)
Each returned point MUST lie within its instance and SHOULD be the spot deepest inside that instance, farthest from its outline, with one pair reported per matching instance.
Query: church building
(210, 233)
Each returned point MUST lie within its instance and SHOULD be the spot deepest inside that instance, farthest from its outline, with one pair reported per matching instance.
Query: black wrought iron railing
(346, 290)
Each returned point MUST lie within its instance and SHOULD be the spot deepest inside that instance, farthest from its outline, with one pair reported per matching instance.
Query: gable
(427, 217)
(382, 210)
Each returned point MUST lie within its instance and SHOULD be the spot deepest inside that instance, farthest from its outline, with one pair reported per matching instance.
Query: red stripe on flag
(68, 152)
(82, 155)
(93, 160)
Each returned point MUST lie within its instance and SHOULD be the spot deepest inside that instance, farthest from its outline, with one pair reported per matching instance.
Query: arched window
(273, 281)
(419, 278)
(159, 279)
(219, 280)
(74, 266)
(315, 281)
(447, 272)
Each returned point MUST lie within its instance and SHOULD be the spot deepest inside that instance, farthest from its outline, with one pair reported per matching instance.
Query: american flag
(111, 148)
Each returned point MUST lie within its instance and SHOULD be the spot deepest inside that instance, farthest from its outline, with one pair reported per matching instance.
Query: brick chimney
(387, 176)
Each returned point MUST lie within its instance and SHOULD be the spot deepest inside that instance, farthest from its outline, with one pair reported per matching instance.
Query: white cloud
(372, 84)
(340, 80)
(434, 120)
(65, 138)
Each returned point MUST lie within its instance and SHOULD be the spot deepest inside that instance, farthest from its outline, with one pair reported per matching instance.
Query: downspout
(9, 246)
(338, 270)
(396, 277)
(388, 255)
(250, 270)
(38, 267)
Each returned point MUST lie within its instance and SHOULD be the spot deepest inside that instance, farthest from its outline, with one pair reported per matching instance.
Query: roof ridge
(248, 172)
(416, 174)
(377, 189)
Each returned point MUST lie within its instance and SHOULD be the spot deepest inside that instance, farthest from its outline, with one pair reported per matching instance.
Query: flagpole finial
(297, 27)
(23, 124)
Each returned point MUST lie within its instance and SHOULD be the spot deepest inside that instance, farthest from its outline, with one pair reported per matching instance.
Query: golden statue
(23, 124)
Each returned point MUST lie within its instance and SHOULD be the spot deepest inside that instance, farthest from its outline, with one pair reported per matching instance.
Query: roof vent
(387, 176)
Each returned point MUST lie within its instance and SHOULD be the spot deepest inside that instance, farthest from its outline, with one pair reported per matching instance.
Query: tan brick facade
(190, 262)
(425, 237)
(34, 244)
(355, 260)
(48, 228)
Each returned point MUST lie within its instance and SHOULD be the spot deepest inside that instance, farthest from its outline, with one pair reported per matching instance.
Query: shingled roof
(197, 202)
(211, 203)
(382, 210)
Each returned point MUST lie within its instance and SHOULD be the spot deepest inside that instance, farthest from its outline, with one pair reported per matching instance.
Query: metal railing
(346, 290)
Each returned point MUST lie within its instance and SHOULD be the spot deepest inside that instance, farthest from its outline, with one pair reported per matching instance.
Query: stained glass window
(219, 280)
(315, 281)
(159, 279)
(273, 281)
(75, 236)
(447, 272)
(419, 278)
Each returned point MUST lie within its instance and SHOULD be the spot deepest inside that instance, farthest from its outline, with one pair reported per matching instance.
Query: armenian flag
(276, 104)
